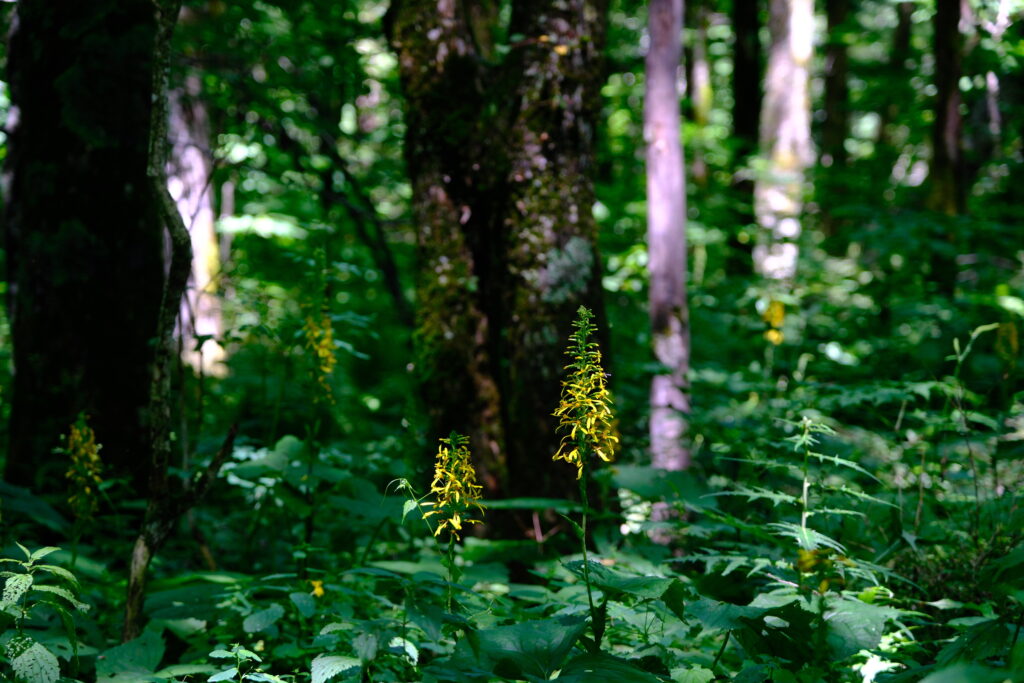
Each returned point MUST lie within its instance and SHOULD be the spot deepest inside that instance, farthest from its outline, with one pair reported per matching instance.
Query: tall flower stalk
(586, 421)
(457, 496)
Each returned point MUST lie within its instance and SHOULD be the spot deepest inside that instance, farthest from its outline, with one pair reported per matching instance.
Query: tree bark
(190, 183)
(698, 81)
(84, 241)
(785, 139)
(747, 69)
(666, 238)
(500, 155)
(947, 175)
(837, 90)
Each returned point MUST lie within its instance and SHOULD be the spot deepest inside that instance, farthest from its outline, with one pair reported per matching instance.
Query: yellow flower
(85, 467)
(318, 588)
(585, 413)
(320, 340)
(454, 486)
(774, 337)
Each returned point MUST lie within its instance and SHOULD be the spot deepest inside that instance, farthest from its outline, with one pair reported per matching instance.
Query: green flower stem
(586, 561)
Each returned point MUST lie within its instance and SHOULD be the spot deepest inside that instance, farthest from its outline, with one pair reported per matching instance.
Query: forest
(466, 341)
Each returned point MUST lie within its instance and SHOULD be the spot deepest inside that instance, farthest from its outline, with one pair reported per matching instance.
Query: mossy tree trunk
(500, 154)
(84, 241)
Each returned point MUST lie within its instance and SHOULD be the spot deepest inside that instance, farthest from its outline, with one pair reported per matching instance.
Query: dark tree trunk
(501, 162)
(84, 241)
(897, 65)
(947, 173)
(837, 89)
(666, 238)
(747, 69)
(836, 125)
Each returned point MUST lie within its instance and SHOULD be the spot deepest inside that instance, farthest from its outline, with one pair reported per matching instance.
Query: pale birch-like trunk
(189, 182)
(666, 238)
(785, 138)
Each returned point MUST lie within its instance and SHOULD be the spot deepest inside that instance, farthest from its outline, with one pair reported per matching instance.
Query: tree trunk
(785, 139)
(189, 182)
(666, 238)
(84, 241)
(947, 175)
(500, 156)
(549, 253)
(835, 127)
(698, 82)
(897, 67)
(837, 89)
(746, 113)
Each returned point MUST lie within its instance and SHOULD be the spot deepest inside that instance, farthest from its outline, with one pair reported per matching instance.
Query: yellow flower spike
(84, 469)
(318, 588)
(319, 335)
(455, 486)
(585, 413)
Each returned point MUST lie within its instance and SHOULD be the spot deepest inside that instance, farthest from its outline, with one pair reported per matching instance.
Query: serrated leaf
(326, 667)
(59, 572)
(262, 620)
(43, 552)
(225, 675)
(32, 663)
(15, 587)
(63, 593)
(28, 553)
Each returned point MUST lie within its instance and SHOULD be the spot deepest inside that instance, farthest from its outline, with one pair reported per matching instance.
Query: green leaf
(43, 552)
(587, 668)
(63, 593)
(59, 572)
(184, 670)
(263, 677)
(530, 648)
(225, 675)
(32, 663)
(15, 587)
(262, 620)
(696, 675)
(138, 656)
(221, 654)
(806, 538)
(854, 625)
(365, 646)
(408, 507)
(305, 603)
(326, 667)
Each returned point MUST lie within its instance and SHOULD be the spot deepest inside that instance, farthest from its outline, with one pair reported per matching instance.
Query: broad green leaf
(15, 587)
(402, 646)
(854, 625)
(262, 620)
(695, 675)
(365, 646)
(408, 507)
(303, 602)
(529, 648)
(326, 667)
(185, 670)
(263, 677)
(587, 668)
(221, 654)
(225, 675)
(138, 656)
